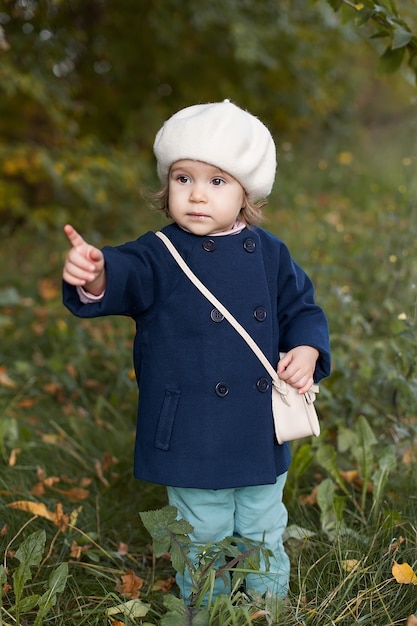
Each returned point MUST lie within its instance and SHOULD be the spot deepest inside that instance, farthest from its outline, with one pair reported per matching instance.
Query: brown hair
(251, 213)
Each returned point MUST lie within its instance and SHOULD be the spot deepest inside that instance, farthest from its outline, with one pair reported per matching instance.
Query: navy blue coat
(204, 415)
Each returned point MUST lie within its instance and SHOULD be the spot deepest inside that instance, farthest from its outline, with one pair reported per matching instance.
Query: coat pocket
(167, 417)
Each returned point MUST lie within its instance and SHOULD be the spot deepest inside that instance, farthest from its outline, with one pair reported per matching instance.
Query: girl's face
(202, 198)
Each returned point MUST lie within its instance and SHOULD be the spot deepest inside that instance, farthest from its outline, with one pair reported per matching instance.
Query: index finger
(73, 236)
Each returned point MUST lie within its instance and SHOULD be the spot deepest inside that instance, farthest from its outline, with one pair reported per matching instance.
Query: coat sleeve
(301, 320)
(132, 280)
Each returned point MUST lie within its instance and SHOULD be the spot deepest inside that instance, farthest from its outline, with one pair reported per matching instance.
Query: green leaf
(29, 554)
(391, 60)
(401, 38)
(157, 522)
(335, 4)
(56, 584)
(3, 575)
(175, 604)
(387, 463)
(301, 461)
(325, 501)
(364, 450)
(27, 604)
(177, 557)
(181, 615)
(163, 525)
(363, 16)
(326, 456)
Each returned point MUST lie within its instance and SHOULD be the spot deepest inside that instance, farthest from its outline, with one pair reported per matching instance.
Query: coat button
(216, 316)
(259, 314)
(209, 245)
(249, 245)
(221, 390)
(262, 385)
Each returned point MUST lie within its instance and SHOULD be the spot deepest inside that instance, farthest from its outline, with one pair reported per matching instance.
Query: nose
(197, 193)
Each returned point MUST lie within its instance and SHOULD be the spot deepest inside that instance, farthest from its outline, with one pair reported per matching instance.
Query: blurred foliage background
(84, 87)
(86, 84)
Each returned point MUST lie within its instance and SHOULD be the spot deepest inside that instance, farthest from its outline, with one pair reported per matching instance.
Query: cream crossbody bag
(294, 413)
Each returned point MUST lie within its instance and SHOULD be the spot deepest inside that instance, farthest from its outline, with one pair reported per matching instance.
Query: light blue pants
(257, 513)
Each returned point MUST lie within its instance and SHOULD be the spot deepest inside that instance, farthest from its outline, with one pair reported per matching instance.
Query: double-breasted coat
(204, 415)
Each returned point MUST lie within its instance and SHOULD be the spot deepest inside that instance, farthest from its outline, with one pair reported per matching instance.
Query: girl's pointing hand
(84, 264)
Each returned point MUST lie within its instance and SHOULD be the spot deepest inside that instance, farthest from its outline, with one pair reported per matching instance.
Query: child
(204, 422)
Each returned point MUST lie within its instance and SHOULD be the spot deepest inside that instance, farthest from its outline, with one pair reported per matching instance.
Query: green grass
(67, 408)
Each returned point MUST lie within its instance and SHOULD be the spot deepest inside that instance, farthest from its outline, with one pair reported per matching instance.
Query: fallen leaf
(50, 481)
(52, 439)
(26, 403)
(311, 498)
(13, 456)
(74, 495)
(76, 550)
(36, 508)
(102, 466)
(3, 530)
(395, 544)
(52, 388)
(404, 574)
(164, 585)
(74, 516)
(5, 379)
(132, 608)
(48, 288)
(39, 508)
(99, 471)
(409, 455)
(130, 584)
(61, 519)
(411, 621)
(349, 476)
(123, 549)
(260, 613)
(71, 370)
(349, 565)
(38, 490)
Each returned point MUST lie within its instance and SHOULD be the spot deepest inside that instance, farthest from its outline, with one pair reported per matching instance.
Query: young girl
(204, 421)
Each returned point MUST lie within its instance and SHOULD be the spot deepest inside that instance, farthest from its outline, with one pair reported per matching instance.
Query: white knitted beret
(223, 135)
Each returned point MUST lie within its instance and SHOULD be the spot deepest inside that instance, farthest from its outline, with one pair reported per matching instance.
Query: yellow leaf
(404, 574)
(36, 508)
(48, 288)
(13, 456)
(345, 158)
(132, 608)
(349, 565)
(59, 518)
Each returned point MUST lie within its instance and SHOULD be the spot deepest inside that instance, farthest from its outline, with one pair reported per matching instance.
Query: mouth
(198, 215)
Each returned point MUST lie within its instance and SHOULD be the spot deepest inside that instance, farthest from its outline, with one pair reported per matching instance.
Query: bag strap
(280, 384)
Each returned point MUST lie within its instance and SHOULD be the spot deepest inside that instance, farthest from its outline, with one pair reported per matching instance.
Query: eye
(182, 178)
(218, 181)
